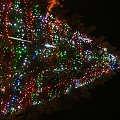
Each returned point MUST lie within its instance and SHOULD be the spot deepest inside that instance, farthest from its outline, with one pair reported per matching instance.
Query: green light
(23, 49)
(12, 109)
(20, 56)
(20, 52)
(18, 30)
(14, 67)
(61, 54)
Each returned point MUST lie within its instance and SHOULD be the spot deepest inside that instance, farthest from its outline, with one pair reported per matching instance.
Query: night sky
(102, 14)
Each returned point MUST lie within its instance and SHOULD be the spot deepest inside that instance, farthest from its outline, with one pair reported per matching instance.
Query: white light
(48, 45)
(19, 39)
(15, 24)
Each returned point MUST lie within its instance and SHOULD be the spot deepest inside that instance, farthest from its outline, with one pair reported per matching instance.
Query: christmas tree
(42, 57)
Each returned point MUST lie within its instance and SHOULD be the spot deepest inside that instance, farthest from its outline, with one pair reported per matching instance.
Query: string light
(40, 56)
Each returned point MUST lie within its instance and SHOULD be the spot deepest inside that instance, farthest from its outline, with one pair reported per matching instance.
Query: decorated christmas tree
(42, 57)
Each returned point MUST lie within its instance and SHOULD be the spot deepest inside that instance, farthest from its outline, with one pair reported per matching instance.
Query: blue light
(36, 53)
(113, 65)
(13, 98)
(33, 57)
(8, 105)
(18, 82)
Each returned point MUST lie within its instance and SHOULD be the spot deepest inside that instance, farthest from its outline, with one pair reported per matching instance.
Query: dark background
(101, 13)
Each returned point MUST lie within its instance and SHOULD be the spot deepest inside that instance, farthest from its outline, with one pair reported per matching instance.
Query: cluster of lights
(41, 57)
